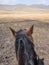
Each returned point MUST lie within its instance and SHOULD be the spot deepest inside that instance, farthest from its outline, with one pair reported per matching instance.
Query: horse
(24, 46)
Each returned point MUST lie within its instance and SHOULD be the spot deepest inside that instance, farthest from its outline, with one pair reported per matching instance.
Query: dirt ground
(7, 41)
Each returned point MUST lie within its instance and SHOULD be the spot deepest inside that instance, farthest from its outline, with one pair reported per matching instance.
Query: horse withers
(24, 46)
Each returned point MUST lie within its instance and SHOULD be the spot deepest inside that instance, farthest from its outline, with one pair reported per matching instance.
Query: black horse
(24, 47)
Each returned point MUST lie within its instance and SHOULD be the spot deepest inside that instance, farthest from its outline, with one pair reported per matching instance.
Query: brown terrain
(21, 20)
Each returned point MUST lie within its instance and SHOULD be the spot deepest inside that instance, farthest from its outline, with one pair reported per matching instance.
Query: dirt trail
(40, 36)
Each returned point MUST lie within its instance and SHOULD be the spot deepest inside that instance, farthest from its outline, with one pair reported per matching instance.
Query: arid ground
(21, 21)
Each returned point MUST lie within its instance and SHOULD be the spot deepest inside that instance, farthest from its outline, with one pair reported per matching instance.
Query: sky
(28, 2)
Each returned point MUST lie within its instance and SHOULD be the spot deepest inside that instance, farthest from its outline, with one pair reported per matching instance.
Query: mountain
(23, 7)
(40, 6)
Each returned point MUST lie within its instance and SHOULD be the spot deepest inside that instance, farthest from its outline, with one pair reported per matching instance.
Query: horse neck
(26, 54)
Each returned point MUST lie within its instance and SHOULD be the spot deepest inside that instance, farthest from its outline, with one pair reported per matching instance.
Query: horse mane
(24, 47)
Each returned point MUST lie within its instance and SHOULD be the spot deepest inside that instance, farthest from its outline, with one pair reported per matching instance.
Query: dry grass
(40, 15)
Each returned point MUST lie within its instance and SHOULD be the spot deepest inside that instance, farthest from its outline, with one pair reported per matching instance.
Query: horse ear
(30, 30)
(13, 31)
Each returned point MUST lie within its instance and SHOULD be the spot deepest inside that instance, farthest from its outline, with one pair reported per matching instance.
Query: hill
(22, 7)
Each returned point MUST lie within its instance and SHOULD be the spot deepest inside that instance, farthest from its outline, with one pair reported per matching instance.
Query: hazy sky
(14, 2)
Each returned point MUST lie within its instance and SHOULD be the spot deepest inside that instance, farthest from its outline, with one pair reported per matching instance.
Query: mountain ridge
(23, 6)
